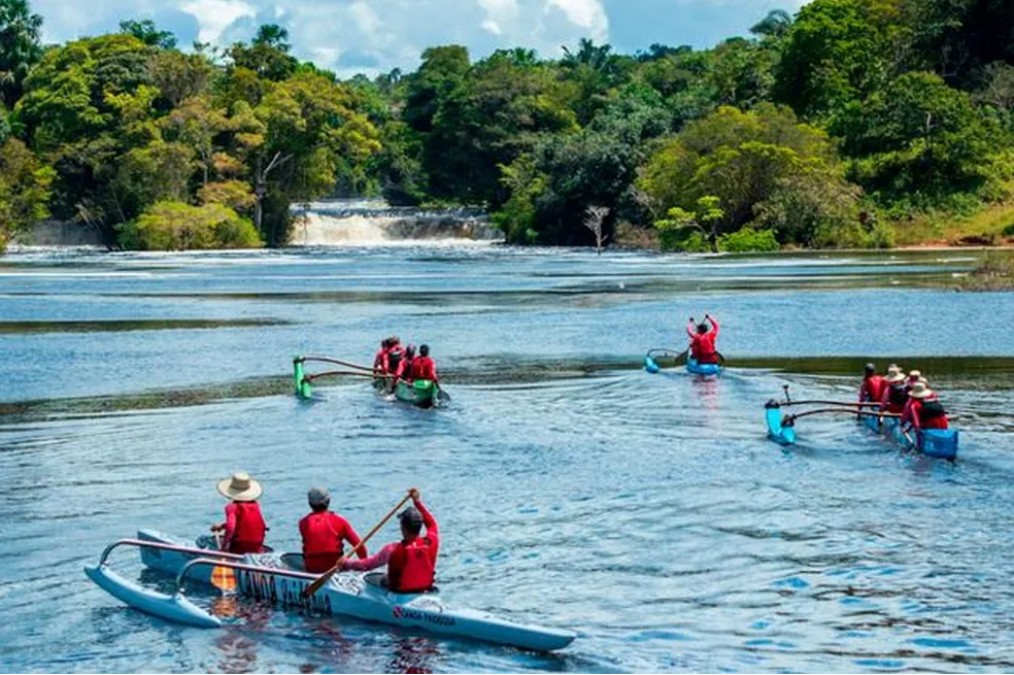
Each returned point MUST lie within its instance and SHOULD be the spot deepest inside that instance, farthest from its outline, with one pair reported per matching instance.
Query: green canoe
(422, 393)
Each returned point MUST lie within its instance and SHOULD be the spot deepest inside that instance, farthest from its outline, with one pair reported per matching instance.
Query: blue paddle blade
(650, 365)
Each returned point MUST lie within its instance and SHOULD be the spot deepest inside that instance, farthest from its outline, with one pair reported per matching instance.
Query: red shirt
(323, 533)
(917, 419)
(872, 389)
(411, 564)
(424, 368)
(244, 528)
(893, 398)
(702, 345)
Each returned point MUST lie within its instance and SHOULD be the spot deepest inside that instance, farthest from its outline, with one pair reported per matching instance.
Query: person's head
(920, 391)
(897, 377)
(395, 340)
(410, 351)
(385, 343)
(424, 350)
(702, 328)
(240, 487)
(914, 376)
(411, 522)
(869, 369)
(318, 498)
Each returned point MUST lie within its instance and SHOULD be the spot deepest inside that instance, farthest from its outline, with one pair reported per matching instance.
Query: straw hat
(920, 390)
(893, 370)
(241, 487)
(896, 377)
(914, 375)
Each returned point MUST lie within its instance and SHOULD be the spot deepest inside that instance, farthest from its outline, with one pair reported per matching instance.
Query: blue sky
(374, 36)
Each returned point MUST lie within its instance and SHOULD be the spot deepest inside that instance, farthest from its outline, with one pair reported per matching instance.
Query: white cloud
(588, 14)
(214, 16)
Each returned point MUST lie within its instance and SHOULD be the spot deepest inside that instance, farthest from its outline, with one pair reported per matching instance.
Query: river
(648, 513)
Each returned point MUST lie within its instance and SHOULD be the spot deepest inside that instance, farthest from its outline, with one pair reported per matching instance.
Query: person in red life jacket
(702, 340)
(872, 388)
(404, 371)
(244, 528)
(323, 532)
(925, 410)
(423, 366)
(895, 395)
(411, 562)
(913, 377)
(380, 358)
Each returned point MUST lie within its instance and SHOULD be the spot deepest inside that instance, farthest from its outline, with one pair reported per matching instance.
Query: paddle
(323, 578)
(823, 402)
(222, 578)
(443, 395)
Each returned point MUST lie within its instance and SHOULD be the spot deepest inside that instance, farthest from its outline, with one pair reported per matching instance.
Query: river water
(646, 512)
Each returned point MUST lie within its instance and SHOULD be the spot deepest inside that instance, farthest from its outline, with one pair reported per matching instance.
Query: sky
(374, 36)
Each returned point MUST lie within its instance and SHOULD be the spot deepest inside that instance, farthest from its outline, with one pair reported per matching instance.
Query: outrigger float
(420, 393)
(280, 579)
(653, 356)
(939, 443)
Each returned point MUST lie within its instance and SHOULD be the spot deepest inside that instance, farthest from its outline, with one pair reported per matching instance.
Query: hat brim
(925, 393)
(250, 494)
(897, 379)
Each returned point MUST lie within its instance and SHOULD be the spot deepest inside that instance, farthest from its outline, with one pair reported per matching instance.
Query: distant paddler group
(396, 370)
(898, 405)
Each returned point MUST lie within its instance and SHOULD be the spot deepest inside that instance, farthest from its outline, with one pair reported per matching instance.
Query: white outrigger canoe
(280, 579)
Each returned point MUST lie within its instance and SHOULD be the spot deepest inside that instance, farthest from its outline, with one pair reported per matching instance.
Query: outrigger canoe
(939, 443)
(279, 578)
(651, 364)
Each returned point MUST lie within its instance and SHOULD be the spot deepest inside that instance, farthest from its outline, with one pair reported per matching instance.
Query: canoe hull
(420, 393)
(703, 368)
(939, 443)
(351, 595)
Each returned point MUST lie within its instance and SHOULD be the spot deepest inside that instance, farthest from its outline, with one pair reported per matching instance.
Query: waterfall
(373, 222)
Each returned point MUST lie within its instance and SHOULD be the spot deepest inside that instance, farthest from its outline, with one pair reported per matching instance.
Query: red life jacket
(932, 414)
(415, 568)
(874, 387)
(394, 356)
(702, 347)
(424, 368)
(322, 545)
(250, 529)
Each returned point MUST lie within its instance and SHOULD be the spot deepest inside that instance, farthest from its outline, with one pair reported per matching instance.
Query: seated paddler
(924, 410)
(411, 562)
(702, 340)
(244, 528)
(323, 533)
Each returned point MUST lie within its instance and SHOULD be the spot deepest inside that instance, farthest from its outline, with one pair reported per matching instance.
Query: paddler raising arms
(411, 562)
(244, 528)
(702, 340)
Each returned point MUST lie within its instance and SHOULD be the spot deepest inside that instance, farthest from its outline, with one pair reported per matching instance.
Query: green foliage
(691, 231)
(761, 165)
(24, 189)
(748, 240)
(146, 32)
(19, 47)
(174, 226)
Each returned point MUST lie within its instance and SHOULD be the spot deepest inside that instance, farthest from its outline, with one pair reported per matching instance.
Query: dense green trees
(820, 129)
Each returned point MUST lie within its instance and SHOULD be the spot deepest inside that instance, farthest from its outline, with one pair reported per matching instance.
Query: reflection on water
(647, 512)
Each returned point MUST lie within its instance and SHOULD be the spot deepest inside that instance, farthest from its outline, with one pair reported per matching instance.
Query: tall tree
(19, 47)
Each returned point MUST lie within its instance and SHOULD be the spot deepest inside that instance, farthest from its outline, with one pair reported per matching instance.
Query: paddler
(702, 340)
(323, 532)
(895, 395)
(872, 388)
(405, 367)
(925, 410)
(424, 367)
(411, 562)
(244, 528)
(913, 378)
(380, 358)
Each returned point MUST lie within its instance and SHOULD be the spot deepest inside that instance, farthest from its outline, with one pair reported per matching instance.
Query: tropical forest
(851, 124)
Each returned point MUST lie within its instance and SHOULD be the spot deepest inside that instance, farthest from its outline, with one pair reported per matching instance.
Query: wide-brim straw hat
(895, 378)
(920, 390)
(914, 375)
(240, 487)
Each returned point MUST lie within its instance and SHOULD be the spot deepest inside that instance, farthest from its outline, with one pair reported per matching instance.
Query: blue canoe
(940, 443)
(703, 368)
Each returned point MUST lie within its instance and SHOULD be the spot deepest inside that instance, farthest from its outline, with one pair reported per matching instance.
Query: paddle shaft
(323, 578)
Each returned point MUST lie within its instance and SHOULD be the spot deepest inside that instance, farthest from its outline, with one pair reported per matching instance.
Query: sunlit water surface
(646, 512)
